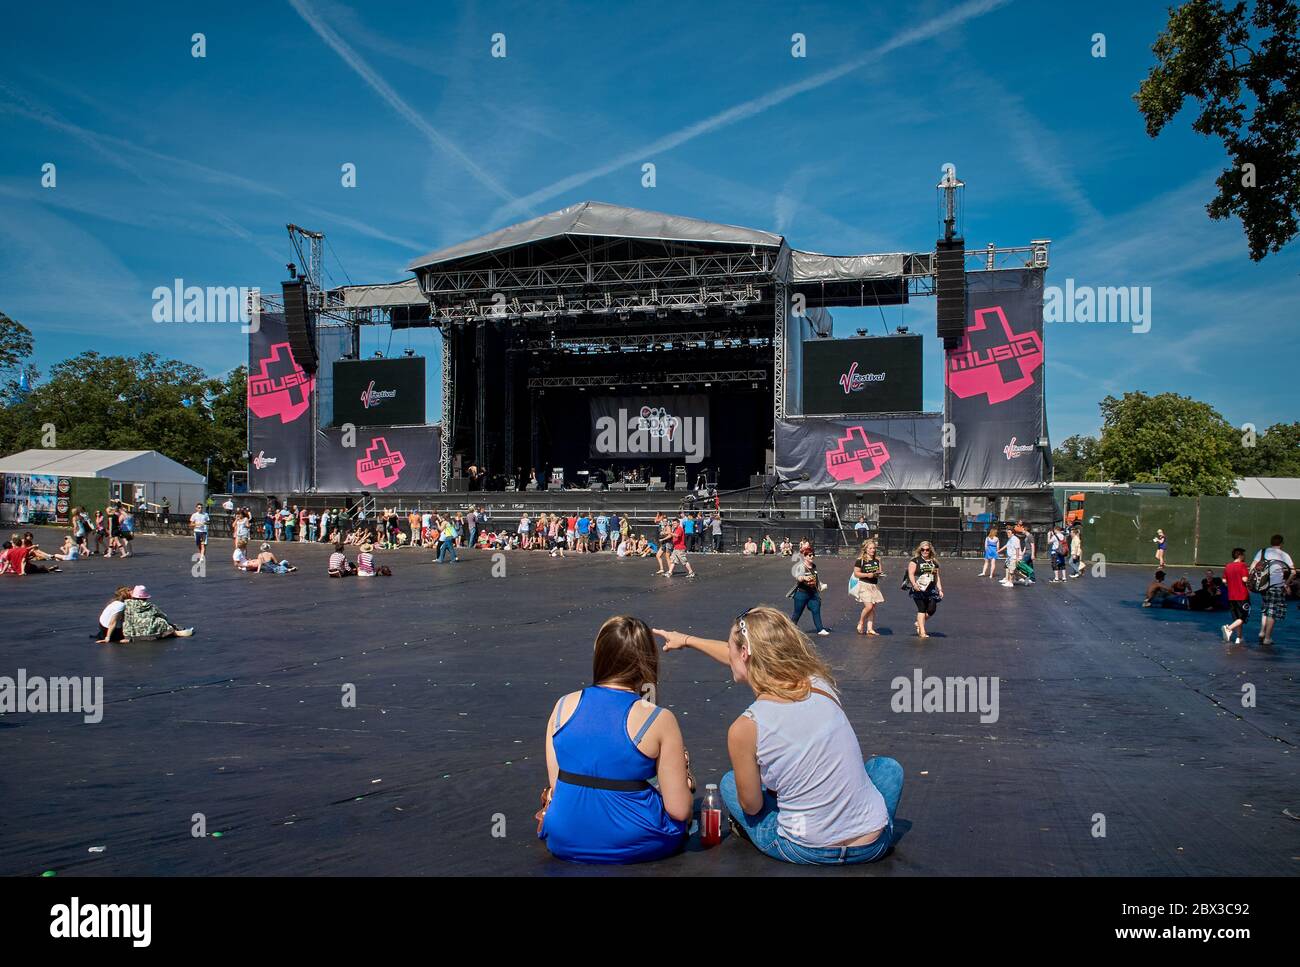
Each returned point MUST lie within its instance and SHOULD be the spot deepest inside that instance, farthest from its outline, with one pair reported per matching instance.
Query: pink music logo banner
(280, 387)
(380, 467)
(978, 369)
(856, 458)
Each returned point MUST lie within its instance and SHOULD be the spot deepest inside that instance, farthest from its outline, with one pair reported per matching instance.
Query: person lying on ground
(799, 790)
(603, 744)
(142, 620)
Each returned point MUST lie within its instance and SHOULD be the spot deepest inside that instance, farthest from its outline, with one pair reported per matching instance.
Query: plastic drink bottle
(711, 816)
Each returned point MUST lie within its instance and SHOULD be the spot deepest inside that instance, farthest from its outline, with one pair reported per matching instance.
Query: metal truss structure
(648, 379)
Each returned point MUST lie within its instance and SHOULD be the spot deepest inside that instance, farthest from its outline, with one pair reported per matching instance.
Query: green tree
(1276, 453)
(16, 342)
(133, 403)
(1171, 438)
(1244, 72)
(1076, 459)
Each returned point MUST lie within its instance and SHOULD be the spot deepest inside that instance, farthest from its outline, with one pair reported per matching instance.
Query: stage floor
(1105, 708)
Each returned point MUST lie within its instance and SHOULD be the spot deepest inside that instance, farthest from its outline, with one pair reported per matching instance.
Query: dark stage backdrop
(994, 383)
(650, 427)
(379, 392)
(876, 453)
(879, 374)
(279, 411)
(388, 460)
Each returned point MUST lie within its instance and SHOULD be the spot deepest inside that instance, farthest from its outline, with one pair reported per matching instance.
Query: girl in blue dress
(603, 745)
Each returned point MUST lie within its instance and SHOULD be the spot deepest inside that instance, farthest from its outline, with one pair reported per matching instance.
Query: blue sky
(171, 166)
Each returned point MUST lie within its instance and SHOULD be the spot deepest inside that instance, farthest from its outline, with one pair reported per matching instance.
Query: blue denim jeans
(811, 600)
(885, 774)
(447, 548)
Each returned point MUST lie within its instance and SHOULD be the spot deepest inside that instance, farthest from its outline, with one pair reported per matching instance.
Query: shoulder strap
(645, 727)
(559, 711)
(822, 691)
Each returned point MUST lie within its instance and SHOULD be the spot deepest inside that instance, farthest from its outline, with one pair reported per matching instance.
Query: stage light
(378, 355)
(901, 330)
(409, 352)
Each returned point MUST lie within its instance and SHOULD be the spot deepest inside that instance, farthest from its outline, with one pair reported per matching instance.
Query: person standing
(1076, 551)
(717, 531)
(199, 524)
(1236, 578)
(679, 552)
(990, 568)
(864, 586)
(165, 512)
(926, 585)
(807, 592)
(1058, 546)
(687, 523)
(1280, 566)
(1161, 543)
(1012, 551)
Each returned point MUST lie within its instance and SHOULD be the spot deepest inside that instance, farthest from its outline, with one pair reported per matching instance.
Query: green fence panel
(1112, 527)
(1176, 516)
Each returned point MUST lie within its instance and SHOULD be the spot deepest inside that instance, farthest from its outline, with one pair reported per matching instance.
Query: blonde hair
(933, 553)
(869, 542)
(782, 661)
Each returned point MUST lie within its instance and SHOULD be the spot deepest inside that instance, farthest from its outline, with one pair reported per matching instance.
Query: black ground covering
(1104, 708)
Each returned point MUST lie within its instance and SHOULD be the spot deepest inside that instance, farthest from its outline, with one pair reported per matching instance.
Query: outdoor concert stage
(601, 341)
(1104, 708)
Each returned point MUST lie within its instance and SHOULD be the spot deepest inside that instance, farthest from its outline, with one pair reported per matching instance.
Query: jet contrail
(747, 109)
(380, 86)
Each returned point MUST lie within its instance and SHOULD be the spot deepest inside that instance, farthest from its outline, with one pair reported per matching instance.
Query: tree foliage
(139, 402)
(1169, 438)
(1244, 72)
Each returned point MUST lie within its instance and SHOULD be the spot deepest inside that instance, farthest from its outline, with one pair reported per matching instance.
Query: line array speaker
(301, 326)
(950, 290)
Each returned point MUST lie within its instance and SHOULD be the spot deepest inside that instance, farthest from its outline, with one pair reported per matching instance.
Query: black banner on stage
(880, 453)
(650, 426)
(279, 411)
(871, 374)
(379, 392)
(994, 384)
(395, 459)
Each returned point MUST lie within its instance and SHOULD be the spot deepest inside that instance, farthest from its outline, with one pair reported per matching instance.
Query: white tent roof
(597, 218)
(1269, 488)
(139, 466)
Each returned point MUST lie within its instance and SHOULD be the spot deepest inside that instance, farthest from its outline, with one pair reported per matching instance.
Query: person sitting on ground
(240, 557)
(366, 567)
(751, 546)
(20, 558)
(1180, 594)
(1206, 597)
(1157, 590)
(110, 619)
(787, 549)
(769, 545)
(642, 546)
(266, 561)
(339, 565)
(622, 549)
(70, 551)
(143, 621)
(798, 790)
(602, 745)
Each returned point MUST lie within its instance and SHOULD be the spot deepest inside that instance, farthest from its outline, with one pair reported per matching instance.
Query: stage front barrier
(279, 411)
(994, 384)
(873, 453)
(382, 460)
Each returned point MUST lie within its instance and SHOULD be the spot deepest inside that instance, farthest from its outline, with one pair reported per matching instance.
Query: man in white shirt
(199, 524)
(1280, 568)
(1012, 551)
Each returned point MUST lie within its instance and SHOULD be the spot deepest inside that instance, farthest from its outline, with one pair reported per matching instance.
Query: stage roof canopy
(598, 219)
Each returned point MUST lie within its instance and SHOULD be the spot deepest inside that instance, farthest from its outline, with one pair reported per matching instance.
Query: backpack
(1261, 572)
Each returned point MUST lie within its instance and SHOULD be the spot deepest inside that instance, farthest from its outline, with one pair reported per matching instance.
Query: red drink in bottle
(711, 816)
